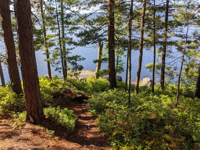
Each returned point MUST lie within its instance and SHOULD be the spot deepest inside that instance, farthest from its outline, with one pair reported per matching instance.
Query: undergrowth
(145, 124)
(150, 117)
(64, 117)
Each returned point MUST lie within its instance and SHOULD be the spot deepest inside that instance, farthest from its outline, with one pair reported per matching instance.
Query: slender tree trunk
(117, 64)
(179, 77)
(60, 43)
(10, 46)
(154, 45)
(162, 79)
(1, 75)
(111, 44)
(129, 51)
(197, 90)
(63, 43)
(126, 80)
(100, 48)
(141, 48)
(28, 62)
(45, 40)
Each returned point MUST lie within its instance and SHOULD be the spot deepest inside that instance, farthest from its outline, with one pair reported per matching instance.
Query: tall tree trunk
(197, 90)
(10, 46)
(45, 40)
(28, 62)
(141, 48)
(162, 79)
(1, 75)
(126, 80)
(129, 51)
(154, 45)
(63, 42)
(100, 48)
(179, 77)
(60, 43)
(111, 44)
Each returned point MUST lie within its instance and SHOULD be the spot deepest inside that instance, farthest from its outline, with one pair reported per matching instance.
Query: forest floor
(86, 135)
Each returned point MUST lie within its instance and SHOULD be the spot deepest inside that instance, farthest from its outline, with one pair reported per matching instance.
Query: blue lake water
(90, 53)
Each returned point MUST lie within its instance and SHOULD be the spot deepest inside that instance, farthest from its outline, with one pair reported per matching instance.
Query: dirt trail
(31, 137)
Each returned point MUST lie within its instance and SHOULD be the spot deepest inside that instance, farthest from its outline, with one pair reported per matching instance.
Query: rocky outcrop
(84, 74)
(144, 82)
(47, 76)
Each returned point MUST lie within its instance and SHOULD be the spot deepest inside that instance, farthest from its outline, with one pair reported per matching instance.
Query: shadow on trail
(86, 132)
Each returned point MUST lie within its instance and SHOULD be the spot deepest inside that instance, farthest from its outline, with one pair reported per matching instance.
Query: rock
(118, 77)
(144, 82)
(52, 76)
(84, 74)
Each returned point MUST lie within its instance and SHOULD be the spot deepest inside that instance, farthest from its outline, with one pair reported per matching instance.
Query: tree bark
(129, 51)
(162, 81)
(179, 77)
(10, 46)
(197, 90)
(111, 44)
(44, 34)
(141, 48)
(100, 48)
(28, 62)
(60, 43)
(126, 80)
(63, 43)
(154, 45)
(1, 75)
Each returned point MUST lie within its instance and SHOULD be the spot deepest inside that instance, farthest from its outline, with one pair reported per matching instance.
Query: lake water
(90, 53)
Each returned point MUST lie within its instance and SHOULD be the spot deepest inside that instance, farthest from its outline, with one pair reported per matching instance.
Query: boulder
(144, 82)
(52, 76)
(118, 77)
(84, 74)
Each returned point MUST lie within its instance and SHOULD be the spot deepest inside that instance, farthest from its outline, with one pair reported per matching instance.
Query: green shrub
(9, 101)
(66, 117)
(91, 85)
(148, 119)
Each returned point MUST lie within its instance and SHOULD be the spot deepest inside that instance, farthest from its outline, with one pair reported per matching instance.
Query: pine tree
(44, 34)
(10, 46)
(63, 42)
(162, 79)
(99, 57)
(141, 48)
(179, 77)
(154, 45)
(1, 75)
(129, 51)
(111, 43)
(28, 62)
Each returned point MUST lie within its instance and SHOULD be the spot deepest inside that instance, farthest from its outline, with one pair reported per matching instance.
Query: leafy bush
(9, 101)
(90, 85)
(150, 117)
(66, 117)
